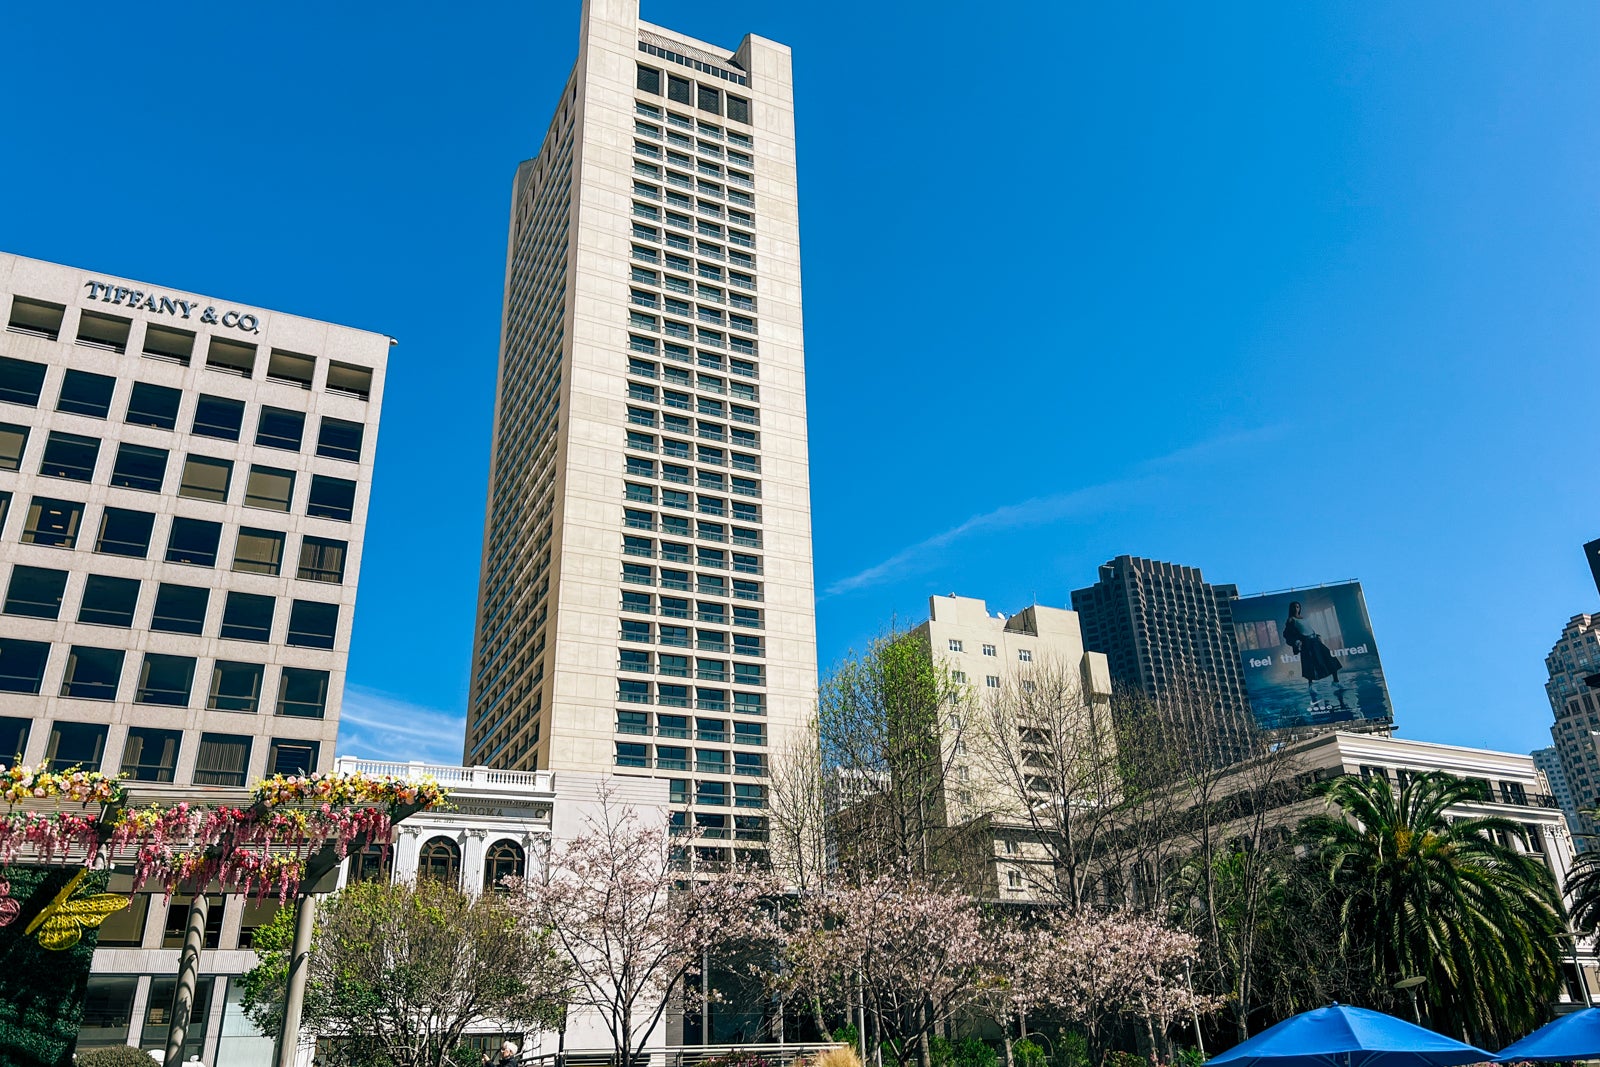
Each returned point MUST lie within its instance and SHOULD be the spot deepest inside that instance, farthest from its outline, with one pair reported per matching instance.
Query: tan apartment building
(646, 601)
(1010, 667)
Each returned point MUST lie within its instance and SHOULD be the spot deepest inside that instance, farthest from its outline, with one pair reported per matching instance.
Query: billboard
(1308, 658)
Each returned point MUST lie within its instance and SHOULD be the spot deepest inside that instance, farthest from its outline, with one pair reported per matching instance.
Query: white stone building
(497, 823)
(183, 495)
(646, 602)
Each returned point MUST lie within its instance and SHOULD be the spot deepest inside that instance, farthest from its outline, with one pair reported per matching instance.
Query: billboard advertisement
(1309, 659)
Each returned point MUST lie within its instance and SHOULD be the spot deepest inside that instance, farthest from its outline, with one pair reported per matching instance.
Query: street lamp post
(1410, 986)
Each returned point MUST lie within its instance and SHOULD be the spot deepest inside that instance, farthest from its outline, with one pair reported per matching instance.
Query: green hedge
(41, 992)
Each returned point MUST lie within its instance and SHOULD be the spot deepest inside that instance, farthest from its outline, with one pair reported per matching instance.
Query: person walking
(507, 1056)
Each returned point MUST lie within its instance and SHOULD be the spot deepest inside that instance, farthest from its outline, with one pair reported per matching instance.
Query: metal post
(194, 937)
(704, 997)
(861, 1021)
(1199, 1039)
(294, 995)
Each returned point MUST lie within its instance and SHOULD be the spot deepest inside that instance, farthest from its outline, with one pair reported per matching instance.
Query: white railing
(447, 775)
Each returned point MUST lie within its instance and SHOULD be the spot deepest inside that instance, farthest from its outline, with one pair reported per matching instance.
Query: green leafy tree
(1449, 900)
(889, 722)
(403, 969)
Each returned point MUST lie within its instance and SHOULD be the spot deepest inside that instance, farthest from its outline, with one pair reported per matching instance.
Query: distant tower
(1575, 656)
(1548, 760)
(1168, 634)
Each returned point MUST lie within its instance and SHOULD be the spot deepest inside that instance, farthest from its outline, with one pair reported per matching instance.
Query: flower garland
(260, 850)
(21, 784)
(348, 789)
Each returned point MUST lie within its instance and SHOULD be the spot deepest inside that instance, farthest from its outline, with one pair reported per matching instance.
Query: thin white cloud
(378, 725)
(1041, 510)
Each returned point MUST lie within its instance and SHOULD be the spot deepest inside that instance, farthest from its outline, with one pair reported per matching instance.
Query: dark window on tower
(20, 381)
(331, 498)
(13, 740)
(22, 665)
(124, 533)
(678, 89)
(312, 623)
(108, 601)
(180, 609)
(738, 108)
(338, 439)
(279, 428)
(194, 541)
(649, 80)
(69, 455)
(151, 755)
(218, 416)
(75, 744)
(92, 673)
(247, 617)
(303, 693)
(236, 687)
(35, 592)
(153, 405)
(83, 393)
(710, 99)
(292, 756)
(165, 680)
(140, 467)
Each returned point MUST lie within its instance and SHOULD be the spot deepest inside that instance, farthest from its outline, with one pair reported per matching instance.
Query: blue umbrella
(1341, 1036)
(1571, 1037)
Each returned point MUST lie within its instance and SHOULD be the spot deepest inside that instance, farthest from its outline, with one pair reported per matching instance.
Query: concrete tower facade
(646, 600)
(183, 496)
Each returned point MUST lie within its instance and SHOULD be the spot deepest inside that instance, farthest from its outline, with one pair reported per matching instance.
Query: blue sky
(1289, 292)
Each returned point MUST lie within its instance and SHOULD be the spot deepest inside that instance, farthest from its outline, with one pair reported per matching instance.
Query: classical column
(194, 936)
(294, 998)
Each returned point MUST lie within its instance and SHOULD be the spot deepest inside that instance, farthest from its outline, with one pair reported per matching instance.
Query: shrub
(838, 1056)
(115, 1056)
(968, 1052)
(1072, 1049)
(1028, 1054)
(1118, 1058)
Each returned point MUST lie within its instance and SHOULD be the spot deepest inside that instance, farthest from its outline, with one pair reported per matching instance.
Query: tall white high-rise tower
(646, 599)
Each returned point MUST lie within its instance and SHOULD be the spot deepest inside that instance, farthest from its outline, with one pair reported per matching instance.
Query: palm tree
(1583, 891)
(1447, 898)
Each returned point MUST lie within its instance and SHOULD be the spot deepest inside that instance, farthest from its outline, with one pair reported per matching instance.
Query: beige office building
(646, 595)
(183, 492)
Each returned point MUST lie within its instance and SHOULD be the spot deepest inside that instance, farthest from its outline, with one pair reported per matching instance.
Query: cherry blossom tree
(909, 951)
(629, 925)
(1098, 966)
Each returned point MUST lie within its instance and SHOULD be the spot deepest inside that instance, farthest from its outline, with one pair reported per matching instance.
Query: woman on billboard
(1315, 659)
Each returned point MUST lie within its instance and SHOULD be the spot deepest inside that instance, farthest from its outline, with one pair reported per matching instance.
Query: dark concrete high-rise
(1167, 635)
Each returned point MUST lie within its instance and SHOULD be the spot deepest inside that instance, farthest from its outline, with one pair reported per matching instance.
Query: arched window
(371, 864)
(504, 860)
(440, 859)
